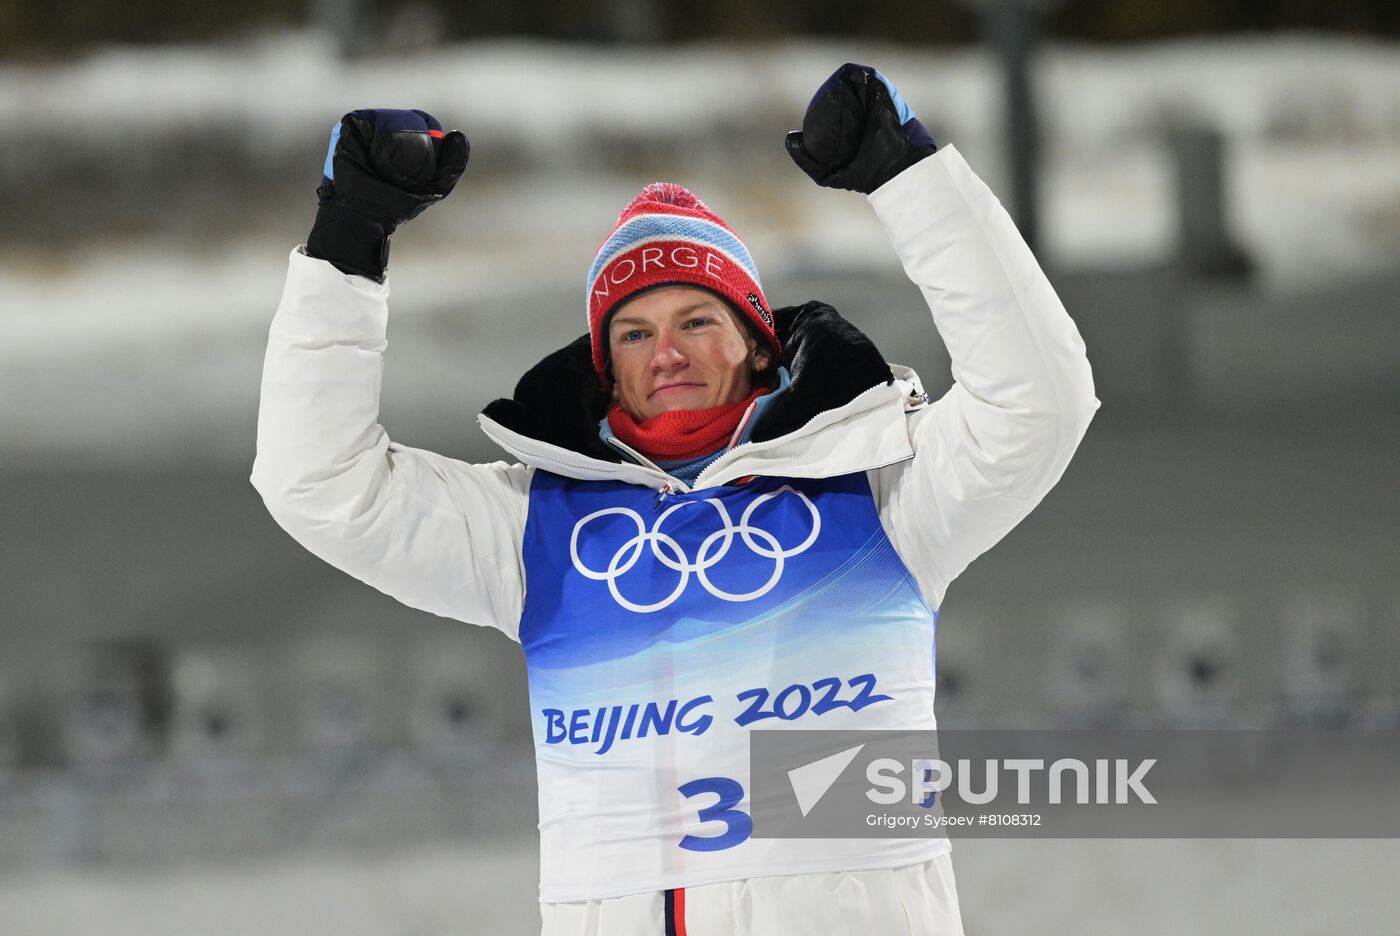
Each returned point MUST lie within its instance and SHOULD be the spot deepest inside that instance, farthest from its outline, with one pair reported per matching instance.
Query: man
(728, 516)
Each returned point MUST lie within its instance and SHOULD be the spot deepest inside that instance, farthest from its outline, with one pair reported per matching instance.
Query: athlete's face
(680, 348)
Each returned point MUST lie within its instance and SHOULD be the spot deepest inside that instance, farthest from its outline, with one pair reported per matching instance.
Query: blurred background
(204, 729)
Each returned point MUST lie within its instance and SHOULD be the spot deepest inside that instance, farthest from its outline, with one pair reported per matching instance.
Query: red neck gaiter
(681, 434)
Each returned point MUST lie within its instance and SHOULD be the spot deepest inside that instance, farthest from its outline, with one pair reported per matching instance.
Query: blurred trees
(31, 28)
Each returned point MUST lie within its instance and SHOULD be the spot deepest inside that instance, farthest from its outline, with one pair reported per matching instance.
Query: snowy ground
(1088, 888)
(137, 283)
(1311, 125)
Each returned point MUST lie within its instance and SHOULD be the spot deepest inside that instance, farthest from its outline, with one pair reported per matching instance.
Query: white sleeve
(436, 533)
(1023, 394)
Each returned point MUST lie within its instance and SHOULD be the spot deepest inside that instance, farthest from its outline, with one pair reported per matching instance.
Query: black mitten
(383, 167)
(858, 132)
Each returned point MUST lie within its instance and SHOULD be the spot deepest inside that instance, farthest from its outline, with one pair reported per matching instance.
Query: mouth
(670, 388)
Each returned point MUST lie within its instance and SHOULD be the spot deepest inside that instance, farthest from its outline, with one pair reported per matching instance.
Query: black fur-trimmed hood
(830, 361)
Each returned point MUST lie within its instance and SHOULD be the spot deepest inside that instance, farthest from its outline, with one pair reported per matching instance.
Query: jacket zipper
(535, 459)
(538, 459)
(743, 445)
(668, 487)
(661, 495)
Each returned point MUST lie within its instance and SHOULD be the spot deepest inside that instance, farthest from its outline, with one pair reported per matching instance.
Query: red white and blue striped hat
(666, 236)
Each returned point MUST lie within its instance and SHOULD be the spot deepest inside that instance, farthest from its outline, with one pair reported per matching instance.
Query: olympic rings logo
(713, 548)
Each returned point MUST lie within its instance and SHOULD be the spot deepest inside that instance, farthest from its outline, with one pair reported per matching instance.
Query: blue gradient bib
(659, 630)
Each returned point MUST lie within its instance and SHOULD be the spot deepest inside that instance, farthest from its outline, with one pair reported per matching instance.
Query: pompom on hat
(668, 237)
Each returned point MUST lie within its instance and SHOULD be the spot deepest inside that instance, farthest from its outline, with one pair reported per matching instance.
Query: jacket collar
(838, 376)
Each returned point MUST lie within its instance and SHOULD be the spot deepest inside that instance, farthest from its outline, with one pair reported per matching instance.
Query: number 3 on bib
(738, 825)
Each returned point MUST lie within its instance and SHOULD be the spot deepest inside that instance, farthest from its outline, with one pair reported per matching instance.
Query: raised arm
(433, 532)
(1023, 394)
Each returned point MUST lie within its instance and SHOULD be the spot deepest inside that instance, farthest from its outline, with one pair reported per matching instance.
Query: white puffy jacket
(949, 479)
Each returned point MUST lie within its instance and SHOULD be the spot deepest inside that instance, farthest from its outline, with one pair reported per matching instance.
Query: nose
(666, 354)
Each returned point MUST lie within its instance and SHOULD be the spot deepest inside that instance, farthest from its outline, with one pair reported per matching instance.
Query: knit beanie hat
(666, 236)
